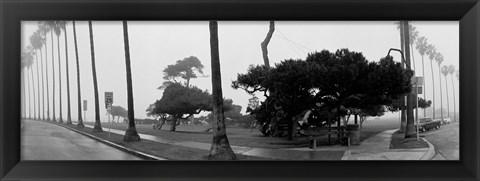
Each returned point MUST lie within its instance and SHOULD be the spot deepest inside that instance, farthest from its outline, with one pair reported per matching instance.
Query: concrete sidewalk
(373, 148)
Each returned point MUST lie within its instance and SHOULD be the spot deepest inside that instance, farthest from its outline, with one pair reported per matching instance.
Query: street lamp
(416, 87)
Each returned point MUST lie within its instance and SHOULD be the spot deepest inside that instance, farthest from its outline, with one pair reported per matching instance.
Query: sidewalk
(373, 148)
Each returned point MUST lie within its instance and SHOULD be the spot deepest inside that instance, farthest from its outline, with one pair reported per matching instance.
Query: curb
(431, 151)
(117, 146)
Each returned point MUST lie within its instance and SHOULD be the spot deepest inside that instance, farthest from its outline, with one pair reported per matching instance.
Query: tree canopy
(184, 69)
(327, 81)
(119, 112)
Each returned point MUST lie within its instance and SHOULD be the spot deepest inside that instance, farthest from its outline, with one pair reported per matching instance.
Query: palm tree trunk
(46, 78)
(43, 86)
(403, 117)
(441, 96)
(24, 94)
(131, 133)
(448, 101)
(220, 149)
(454, 101)
(38, 84)
(54, 119)
(59, 80)
(424, 89)
(410, 129)
(98, 125)
(33, 92)
(80, 120)
(69, 117)
(433, 89)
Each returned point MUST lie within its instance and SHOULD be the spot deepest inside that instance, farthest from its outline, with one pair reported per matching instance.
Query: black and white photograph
(240, 90)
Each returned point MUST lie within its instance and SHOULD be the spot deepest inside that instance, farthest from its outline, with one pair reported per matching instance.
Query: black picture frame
(12, 12)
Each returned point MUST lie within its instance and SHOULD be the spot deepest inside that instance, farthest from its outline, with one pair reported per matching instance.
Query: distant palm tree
(36, 42)
(432, 52)
(80, 120)
(63, 26)
(451, 71)
(220, 149)
(58, 31)
(51, 26)
(44, 29)
(445, 72)
(422, 48)
(131, 133)
(27, 61)
(31, 51)
(98, 125)
(23, 63)
(439, 59)
(457, 74)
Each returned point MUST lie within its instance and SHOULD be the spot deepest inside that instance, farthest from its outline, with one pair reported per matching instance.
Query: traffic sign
(108, 99)
(417, 90)
(84, 105)
(417, 80)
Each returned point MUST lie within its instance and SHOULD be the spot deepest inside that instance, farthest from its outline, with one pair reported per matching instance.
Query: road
(45, 141)
(446, 141)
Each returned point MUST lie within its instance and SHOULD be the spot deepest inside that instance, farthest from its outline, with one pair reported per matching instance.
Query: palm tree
(36, 42)
(80, 120)
(131, 133)
(439, 59)
(44, 29)
(403, 118)
(23, 63)
(64, 28)
(422, 48)
(410, 127)
(451, 70)
(31, 51)
(98, 125)
(58, 31)
(27, 59)
(432, 52)
(51, 27)
(413, 37)
(220, 149)
(445, 72)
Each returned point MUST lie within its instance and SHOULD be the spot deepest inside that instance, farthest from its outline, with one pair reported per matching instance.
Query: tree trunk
(29, 96)
(43, 86)
(33, 92)
(80, 119)
(403, 118)
(131, 133)
(448, 101)
(441, 94)
(173, 124)
(410, 129)
(433, 89)
(38, 85)
(54, 119)
(98, 125)
(424, 90)
(59, 81)
(220, 149)
(454, 101)
(24, 98)
(46, 79)
(265, 42)
(69, 116)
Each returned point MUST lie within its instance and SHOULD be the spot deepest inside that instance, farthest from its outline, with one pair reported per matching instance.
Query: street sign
(417, 90)
(84, 105)
(108, 99)
(417, 80)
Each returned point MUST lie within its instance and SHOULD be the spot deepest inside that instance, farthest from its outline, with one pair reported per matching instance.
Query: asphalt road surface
(446, 141)
(45, 141)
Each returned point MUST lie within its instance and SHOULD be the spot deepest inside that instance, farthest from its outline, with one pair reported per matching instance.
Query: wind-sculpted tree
(181, 102)
(184, 69)
(328, 82)
(118, 112)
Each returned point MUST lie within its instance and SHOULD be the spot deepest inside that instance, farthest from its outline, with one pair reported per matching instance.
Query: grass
(167, 151)
(400, 142)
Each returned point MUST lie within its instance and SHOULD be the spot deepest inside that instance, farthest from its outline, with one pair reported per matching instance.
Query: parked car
(446, 121)
(428, 123)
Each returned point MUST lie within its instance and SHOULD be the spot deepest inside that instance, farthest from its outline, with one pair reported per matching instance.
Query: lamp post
(415, 85)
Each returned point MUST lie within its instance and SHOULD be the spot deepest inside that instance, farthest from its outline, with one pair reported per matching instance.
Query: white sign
(108, 99)
(417, 81)
(84, 105)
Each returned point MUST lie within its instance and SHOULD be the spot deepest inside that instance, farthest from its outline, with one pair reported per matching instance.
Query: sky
(156, 44)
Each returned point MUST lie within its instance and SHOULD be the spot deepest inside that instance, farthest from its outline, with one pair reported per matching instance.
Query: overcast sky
(156, 44)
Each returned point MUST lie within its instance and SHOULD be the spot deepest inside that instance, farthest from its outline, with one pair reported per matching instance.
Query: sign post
(85, 109)
(417, 85)
(108, 106)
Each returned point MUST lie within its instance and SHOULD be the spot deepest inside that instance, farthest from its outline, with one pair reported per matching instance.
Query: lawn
(247, 137)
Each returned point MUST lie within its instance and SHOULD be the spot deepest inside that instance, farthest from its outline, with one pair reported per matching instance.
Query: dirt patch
(400, 142)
